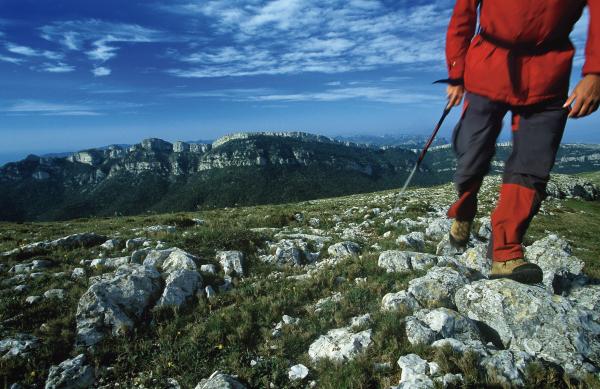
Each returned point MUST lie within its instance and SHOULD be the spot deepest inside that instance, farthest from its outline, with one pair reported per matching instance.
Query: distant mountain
(240, 169)
(399, 140)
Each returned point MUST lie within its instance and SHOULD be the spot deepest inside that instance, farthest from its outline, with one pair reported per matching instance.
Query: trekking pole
(424, 151)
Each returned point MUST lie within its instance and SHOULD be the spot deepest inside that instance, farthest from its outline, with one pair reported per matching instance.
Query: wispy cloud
(57, 68)
(293, 36)
(30, 52)
(362, 93)
(34, 107)
(100, 40)
(13, 60)
(101, 71)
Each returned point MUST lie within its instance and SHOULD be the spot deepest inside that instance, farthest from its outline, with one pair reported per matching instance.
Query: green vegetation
(234, 329)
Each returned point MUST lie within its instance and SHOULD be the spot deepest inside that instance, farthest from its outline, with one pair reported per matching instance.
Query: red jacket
(538, 66)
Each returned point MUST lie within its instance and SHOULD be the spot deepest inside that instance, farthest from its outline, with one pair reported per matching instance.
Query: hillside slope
(264, 292)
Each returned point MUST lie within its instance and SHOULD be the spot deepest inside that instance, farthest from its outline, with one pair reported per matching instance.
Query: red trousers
(537, 131)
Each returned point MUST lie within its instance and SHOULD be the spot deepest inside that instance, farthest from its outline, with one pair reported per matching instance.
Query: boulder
(437, 287)
(416, 372)
(438, 228)
(231, 262)
(179, 259)
(155, 258)
(70, 374)
(111, 244)
(218, 380)
(110, 262)
(18, 346)
(402, 301)
(55, 294)
(506, 367)
(394, 261)
(344, 249)
(527, 318)
(553, 255)
(414, 240)
(588, 298)
(115, 301)
(426, 326)
(340, 344)
(180, 285)
(295, 252)
(135, 243)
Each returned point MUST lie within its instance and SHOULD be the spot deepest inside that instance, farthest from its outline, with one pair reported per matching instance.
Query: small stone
(210, 292)
(298, 372)
(21, 288)
(55, 293)
(231, 262)
(78, 272)
(344, 249)
(218, 380)
(32, 299)
(208, 268)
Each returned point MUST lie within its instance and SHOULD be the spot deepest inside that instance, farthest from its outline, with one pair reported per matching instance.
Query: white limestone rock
(400, 301)
(414, 240)
(232, 262)
(180, 285)
(554, 256)
(340, 344)
(437, 287)
(298, 372)
(115, 301)
(344, 249)
(219, 380)
(527, 318)
(71, 374)
(18, 346)
(395, 261)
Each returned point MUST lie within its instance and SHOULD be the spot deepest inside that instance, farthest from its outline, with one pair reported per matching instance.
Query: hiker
(519, 60)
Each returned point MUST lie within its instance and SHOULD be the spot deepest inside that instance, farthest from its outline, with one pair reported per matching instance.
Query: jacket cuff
(450, 81)
(590, 68)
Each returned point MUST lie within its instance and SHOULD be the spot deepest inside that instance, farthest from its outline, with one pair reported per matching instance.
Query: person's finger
(585, 109)
(595, 106)
(576, 108)
(569, 100)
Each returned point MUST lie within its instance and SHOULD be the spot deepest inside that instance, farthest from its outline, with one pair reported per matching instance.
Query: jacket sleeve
(592, 48)
(460, 32)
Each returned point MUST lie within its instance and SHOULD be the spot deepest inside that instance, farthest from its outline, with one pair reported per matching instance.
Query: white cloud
(36, 107)
(293, 36)
(100, 40)
(29, 52)
(13, 60)
(57, 68)
(364, 93)
(101, 71)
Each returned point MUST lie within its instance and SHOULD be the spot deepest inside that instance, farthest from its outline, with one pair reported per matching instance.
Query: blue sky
(80, 74)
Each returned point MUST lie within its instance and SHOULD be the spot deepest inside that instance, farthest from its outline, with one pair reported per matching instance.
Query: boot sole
(525, 274)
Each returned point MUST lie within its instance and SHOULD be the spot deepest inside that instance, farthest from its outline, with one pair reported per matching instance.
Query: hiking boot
(518, 270)
(460, 232)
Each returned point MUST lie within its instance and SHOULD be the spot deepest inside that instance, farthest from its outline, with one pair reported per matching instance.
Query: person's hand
(455, 94)
(586, 97)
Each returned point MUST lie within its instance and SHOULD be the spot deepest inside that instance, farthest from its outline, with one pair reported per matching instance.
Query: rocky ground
(360, 291)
